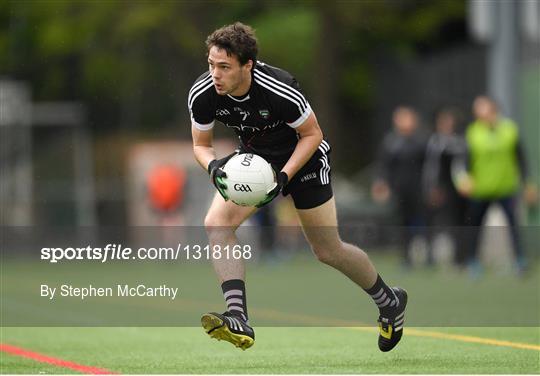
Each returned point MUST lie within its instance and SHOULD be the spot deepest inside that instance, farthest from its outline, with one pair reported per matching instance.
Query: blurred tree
(133, 62)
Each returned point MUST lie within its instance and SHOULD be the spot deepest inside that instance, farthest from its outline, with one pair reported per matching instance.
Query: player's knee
(213, 221)
(330, 253)
(324, 254)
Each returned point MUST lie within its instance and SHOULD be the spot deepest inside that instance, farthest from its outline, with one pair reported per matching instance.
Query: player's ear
(249, 65)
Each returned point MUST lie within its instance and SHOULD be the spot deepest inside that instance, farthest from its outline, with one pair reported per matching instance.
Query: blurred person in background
(491, 173)
(165, 186)
(399, 175)
(445, 206)
(272, 118)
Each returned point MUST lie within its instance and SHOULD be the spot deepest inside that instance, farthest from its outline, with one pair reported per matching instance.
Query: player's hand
(465, 185)
(282, 179)
(217, 175)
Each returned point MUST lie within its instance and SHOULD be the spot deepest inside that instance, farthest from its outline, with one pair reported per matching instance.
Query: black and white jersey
(264, 119)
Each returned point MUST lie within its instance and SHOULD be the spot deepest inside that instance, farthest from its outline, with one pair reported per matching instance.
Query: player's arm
(531, 190)
(201, 111)
(460, 169)
(380, 189)
(310, 138)
(203, 148)
(206, 156)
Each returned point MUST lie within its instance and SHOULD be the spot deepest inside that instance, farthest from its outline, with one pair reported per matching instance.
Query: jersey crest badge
(265, 114)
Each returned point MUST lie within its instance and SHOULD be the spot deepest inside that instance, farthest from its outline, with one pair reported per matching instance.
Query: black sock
(383, 296)
(234, 291)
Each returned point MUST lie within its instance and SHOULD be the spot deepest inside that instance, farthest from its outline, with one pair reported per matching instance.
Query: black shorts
(310, 187)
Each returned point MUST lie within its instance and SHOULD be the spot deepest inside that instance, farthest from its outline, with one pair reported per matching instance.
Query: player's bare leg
(320, 228)
(221, 222)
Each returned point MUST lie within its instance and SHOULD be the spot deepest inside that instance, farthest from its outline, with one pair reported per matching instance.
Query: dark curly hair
(237, 39)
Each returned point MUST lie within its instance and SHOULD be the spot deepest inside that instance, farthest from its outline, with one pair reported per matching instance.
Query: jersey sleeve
(296, 108)
(200, 105)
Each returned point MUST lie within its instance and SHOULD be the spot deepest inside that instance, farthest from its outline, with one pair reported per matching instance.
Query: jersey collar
(246, 96)
(243, 98)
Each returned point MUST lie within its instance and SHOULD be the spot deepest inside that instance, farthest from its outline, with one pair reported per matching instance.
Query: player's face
(228, 76)
(485, 110)
(405, 121)
(445, 123)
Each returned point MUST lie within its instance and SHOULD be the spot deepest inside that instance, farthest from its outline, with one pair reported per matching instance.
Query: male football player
(272, 118)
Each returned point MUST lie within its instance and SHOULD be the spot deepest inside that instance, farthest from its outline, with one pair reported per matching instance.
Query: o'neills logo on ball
(247, 160)
(242, 188)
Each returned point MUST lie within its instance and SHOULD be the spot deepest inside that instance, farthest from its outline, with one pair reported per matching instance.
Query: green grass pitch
(283, 299)
(277, 350)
